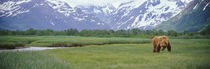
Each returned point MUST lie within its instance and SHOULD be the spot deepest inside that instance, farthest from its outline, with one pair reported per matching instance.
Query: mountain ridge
(144, 14)
(59, 15)
(47, 14)
(193, 18)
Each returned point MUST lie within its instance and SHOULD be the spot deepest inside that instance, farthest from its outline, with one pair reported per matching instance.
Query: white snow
(98, 23)
(136, 21)
(53, 23)
(23, 1)
(134, 4)
(55, 4)
(92, 20)
(11, 8)
(127, 20)
(79, 19)
(195, 6)
(107, 10)
(186, 1)
(96, 10)
(7, 6)
(115, 3)
(85, 16)
(120, 24)
(36, 5)
(205, 6)
(20, 12)
(126, 12)
(61, 6)
(156, 11)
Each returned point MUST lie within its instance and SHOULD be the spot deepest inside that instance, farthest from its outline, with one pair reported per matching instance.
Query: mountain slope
(145, 14)
(142, 14)
(193, 18)
(59, 15)
(45, 14)
(102, 12)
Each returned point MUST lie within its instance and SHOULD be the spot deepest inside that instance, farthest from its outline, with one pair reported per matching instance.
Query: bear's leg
(154, 45)
(169, 48)
(154, 48)
(158, 49)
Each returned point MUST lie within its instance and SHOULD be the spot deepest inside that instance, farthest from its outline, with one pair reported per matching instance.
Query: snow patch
(195, 6)
(151, 16)
(53, 23)
(136, 21)
(126, 12)
(107, 10)
(23, 1)
(186, 1)
(11, 8)
(20, 12)
(61, 6)
(134, 4)
(205, 6)
(96, 11)
(92, 20)
(98, 23)
(79, 19)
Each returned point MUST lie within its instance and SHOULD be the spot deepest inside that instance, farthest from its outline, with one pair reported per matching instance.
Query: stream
(29, 49)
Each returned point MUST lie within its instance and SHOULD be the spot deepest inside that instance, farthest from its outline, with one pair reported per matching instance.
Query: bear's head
(163, 41)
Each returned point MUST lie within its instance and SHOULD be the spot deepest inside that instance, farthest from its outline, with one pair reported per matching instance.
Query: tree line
(97, 33)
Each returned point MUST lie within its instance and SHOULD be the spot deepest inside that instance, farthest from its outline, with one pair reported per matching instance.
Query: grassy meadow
(118, 53)
(6, 41)
(30, 60)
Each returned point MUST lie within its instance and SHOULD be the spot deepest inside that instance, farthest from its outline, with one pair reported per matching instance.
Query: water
(30, 49)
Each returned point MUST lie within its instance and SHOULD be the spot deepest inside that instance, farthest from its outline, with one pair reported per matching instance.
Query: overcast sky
(115, 3)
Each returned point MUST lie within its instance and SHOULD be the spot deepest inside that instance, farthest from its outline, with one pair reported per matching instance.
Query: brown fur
(161, 42)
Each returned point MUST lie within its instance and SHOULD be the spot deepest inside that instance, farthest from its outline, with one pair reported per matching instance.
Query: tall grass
(50, 40)
(30, 60)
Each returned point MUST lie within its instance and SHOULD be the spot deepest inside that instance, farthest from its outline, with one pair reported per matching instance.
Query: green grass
(186, 54)
(135, 56)
(30, 60)
(50, 40)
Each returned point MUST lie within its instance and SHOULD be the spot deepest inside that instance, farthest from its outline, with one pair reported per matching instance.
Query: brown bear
(161, 42)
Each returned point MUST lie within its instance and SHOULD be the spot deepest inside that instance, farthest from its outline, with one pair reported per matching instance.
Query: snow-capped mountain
(45, 14)
(194, 18)
(102, 12)
(59, 15)
(145, 14)
(142, 14)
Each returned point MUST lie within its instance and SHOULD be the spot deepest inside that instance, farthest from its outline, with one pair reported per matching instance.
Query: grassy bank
(11, 41)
